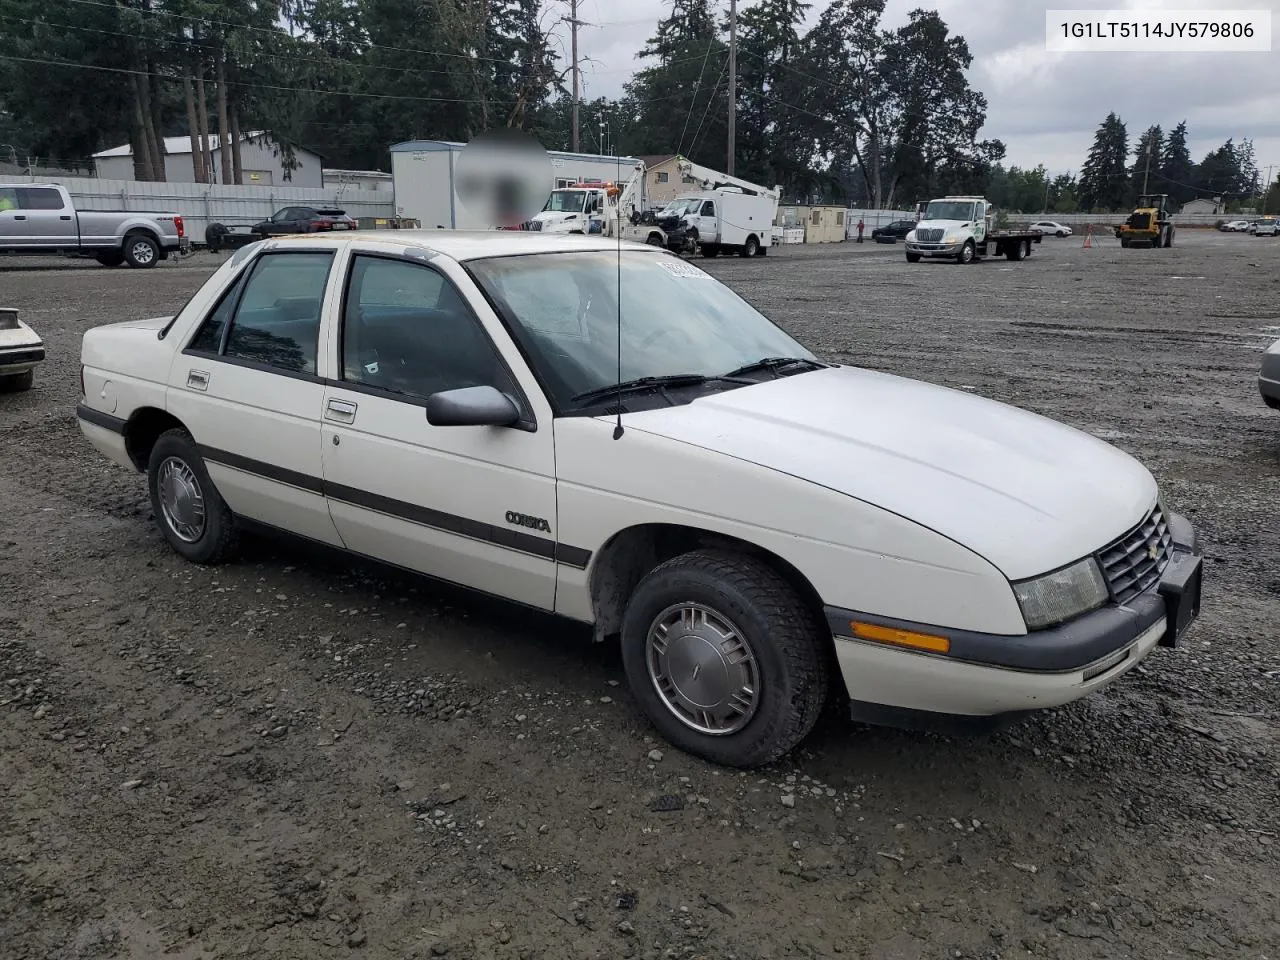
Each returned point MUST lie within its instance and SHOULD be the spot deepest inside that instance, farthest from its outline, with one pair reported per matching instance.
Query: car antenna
(616, 223)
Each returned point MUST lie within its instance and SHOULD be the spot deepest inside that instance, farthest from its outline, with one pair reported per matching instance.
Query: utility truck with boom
(718, 214)
(963, 229)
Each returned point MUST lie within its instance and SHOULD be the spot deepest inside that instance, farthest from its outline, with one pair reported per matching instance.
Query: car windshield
(566, 201)
(949, 210)
(675, 318)
(678, 208)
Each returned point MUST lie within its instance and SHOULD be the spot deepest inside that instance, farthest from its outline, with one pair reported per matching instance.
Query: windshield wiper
(652, 383)
(774, 364)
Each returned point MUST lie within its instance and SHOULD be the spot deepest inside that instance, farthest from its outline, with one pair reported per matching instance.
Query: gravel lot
(298, 757)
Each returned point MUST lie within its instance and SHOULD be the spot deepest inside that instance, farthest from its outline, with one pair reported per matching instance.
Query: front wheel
(709, 250)
(913, 258)
(967, 253)
(654, 240)
(725, 658)
(110, 258)
(189, 511)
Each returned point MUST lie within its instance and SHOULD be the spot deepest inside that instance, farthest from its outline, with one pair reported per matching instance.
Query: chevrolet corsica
(607, 432)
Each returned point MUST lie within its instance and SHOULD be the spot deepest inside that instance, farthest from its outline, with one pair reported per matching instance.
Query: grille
(932, 235)
(1128, 565)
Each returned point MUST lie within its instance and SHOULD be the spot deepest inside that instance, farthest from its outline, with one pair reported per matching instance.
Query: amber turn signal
(901, 638)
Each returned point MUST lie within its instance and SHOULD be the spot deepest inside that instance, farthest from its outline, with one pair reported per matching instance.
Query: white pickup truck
(40, 219)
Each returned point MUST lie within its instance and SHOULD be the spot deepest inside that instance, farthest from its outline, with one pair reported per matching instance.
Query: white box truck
(725, 220)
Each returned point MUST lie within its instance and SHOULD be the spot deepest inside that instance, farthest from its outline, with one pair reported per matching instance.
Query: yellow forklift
(1150, 224)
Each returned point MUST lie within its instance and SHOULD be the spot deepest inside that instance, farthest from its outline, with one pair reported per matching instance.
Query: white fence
(201, 204)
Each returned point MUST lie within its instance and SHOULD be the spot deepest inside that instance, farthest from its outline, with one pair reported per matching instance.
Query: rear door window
(39, 198)
(276, 320)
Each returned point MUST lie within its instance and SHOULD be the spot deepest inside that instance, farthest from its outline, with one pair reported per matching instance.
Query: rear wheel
(193, 517)
(725, 658)
(140, 251)
(1014, 252)
(750, 248)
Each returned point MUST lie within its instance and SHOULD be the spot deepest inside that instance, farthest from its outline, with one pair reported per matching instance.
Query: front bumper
(934, 249)
(1269, 380)
(989, 675)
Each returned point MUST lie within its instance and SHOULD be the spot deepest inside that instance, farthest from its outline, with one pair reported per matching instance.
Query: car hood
(942, 224)
(1027, 493)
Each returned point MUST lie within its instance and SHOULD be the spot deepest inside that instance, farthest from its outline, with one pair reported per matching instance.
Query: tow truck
(962, 229)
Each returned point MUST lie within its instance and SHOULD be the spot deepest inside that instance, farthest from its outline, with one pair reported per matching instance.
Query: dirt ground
(297, 757)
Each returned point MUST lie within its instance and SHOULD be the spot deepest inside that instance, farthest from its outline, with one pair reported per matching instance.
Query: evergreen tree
(1176, 168)
(1144, 175)
(1104, 177)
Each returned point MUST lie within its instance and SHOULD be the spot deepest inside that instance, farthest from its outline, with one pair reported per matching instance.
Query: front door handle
(64, 217)
(343, 411)
(198, 380)
(20, 216)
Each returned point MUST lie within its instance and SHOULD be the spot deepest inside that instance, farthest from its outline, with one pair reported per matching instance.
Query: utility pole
(573, 24)
(1147, 173)
(733, 81)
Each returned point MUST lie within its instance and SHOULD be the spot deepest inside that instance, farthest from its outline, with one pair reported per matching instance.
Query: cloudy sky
(1044, 106)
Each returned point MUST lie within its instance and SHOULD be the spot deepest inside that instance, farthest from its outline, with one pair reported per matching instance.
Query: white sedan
(1051, 227)
(607, 432)
(21, 351)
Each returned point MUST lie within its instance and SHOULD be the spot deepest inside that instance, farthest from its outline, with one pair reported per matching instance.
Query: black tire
(654, 240)
(1124, 242)
(788, 641)
(1015, 252)
(1061, 234)
(762, 252)
(17, 382)
(913, 258)
(141, 251)
(968, 253)
(751, 248)
(110, 258)
(1168, 238)
(1026, 249)
(709, 250)
(217, 538)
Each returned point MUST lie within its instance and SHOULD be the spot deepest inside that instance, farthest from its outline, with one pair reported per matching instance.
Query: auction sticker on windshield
(679, 268)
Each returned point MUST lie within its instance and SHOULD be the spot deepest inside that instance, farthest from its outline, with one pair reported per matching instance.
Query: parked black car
(303, 220)
(893, 232)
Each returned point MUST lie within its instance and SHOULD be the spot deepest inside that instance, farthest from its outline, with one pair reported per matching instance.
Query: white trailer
(424, 180)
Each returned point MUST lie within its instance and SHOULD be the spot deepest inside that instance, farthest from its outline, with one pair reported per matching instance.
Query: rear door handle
(343, 411)
(198, 380)
(20, 216)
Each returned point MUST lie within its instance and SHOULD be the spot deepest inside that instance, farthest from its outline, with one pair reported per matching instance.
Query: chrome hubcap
(181, 500)
(703, 669)
(142, 252)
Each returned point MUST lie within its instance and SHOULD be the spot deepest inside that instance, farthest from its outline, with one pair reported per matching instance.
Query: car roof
(465, 245)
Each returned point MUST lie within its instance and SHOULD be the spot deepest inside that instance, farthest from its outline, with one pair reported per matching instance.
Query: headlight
(1061, 595)
(951, 237)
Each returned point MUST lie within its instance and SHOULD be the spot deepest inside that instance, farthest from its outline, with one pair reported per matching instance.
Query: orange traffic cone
(1088, 239)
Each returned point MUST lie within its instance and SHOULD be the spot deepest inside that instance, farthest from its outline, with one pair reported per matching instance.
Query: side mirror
(471, 407)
